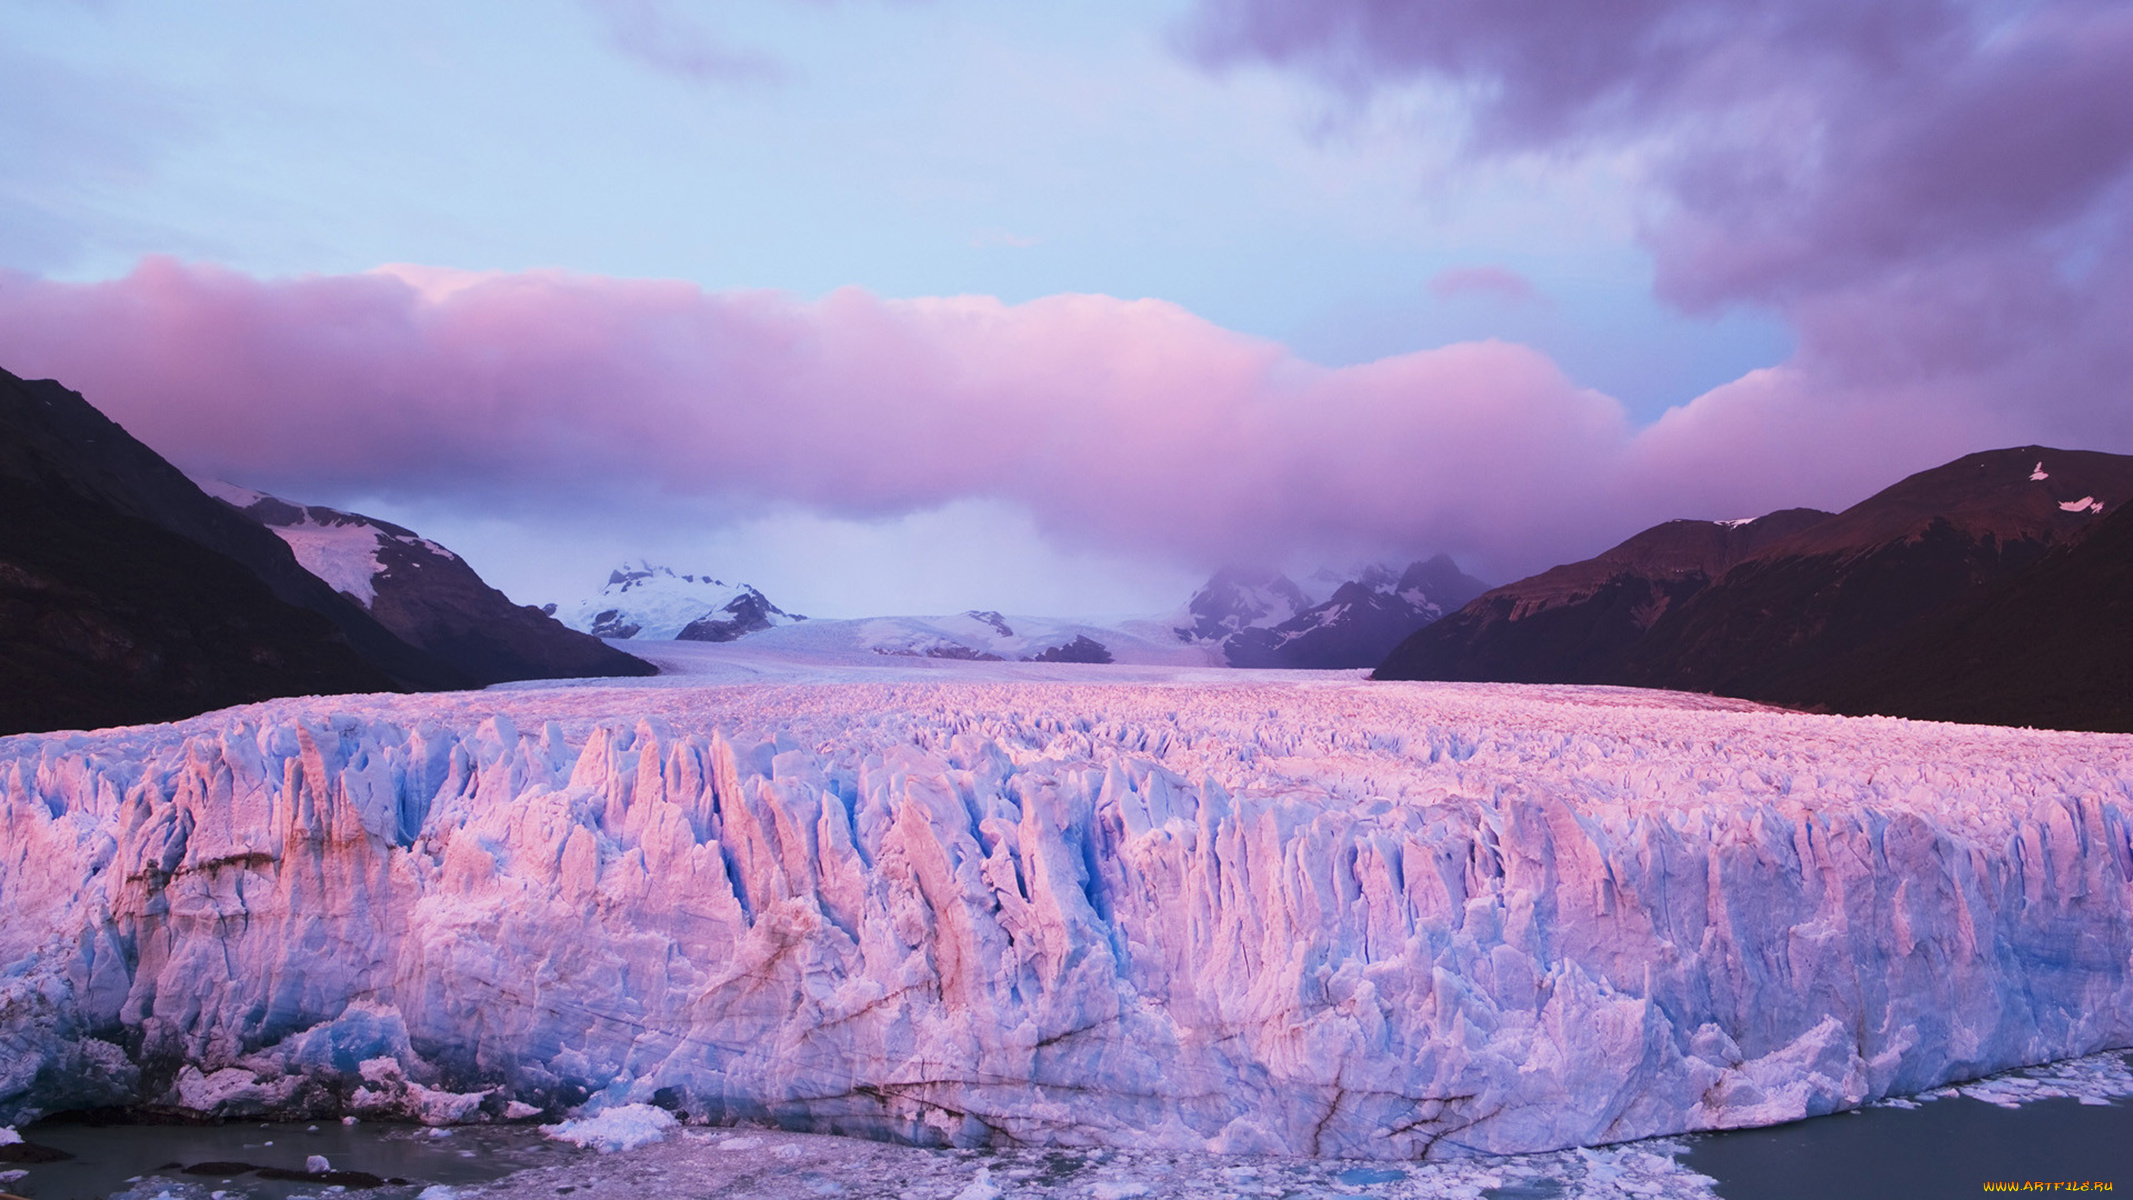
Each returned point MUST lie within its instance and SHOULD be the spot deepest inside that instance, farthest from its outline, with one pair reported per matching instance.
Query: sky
(924, 305)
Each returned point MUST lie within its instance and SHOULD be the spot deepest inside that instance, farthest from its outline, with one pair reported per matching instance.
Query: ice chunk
(622, 1128)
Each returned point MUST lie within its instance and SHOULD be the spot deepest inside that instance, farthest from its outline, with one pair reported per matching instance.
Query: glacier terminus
(1265, 913)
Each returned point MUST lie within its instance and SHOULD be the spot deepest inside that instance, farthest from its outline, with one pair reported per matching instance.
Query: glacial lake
(1944, 1148)
(106, 1156)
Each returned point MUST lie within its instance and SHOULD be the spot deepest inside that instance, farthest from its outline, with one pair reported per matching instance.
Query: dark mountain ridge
(431, 598)
(2051, 646)
(1579, 622)
(1779, 621)
(56, 435)
(1835, 612)
(128, 595)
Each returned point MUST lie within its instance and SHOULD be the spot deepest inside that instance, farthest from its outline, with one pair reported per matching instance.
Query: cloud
(1937, 195)
(1127, 425)
(1123, 427)
(1499, 283)
(653, 33)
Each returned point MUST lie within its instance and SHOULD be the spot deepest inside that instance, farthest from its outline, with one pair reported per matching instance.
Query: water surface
(107, 1156)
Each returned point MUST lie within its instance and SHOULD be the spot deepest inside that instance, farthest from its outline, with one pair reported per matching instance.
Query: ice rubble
(1312, 916)
(622, 1127)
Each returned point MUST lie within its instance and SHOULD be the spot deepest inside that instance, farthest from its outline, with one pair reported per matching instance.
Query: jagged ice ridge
(1310, 916)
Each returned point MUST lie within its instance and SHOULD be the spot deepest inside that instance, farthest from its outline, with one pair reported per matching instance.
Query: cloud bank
(1937, 195)
(1131, 427)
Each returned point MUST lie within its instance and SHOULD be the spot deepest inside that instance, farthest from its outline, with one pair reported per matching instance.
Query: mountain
(1265, 619)
(2051, 646)
(129, 595)
(429, 596)
(656, 603)
(1578, 623)
(1780, 624)
(1239, 598)
(982, 635)
(1977, 590)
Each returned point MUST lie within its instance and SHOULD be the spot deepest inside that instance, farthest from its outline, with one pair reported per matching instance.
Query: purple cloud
(1937, 194)
(1131, 426)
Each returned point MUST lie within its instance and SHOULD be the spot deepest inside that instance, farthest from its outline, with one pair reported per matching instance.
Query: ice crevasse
(1318, 918)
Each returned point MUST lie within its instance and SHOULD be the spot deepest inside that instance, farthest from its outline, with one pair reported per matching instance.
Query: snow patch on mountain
(649, 602)
(340, 548)
(1258, 916)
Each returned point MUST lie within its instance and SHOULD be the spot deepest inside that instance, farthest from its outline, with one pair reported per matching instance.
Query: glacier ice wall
(1326, 918)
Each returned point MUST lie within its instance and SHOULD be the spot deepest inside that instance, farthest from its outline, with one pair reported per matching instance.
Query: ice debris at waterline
(1318, 917)
(623, 1127)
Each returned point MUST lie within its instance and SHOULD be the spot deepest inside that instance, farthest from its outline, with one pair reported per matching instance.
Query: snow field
(1312, 917)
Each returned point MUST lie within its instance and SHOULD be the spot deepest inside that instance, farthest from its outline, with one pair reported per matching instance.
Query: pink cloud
(1132, 426)
(1500, 283)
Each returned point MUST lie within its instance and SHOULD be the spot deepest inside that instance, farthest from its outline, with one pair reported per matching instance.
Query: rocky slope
(430, 597)
(1851, 612)
(127, 594)
(1780, 620)
(1578, 623)
(2050, 646)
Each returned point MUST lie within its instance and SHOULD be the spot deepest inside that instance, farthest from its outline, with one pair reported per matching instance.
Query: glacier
(1280, 913)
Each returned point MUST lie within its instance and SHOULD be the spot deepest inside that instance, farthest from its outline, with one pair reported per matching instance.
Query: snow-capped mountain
(427, 595)
(1241, 598)
(657, 603)
(987, 636)
(1333, 619)
(976, 636)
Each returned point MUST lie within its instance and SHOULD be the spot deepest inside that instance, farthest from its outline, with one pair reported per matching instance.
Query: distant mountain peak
(654, 602)
(1338, 617)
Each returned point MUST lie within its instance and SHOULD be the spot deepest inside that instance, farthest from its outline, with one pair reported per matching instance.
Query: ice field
(976, 903)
